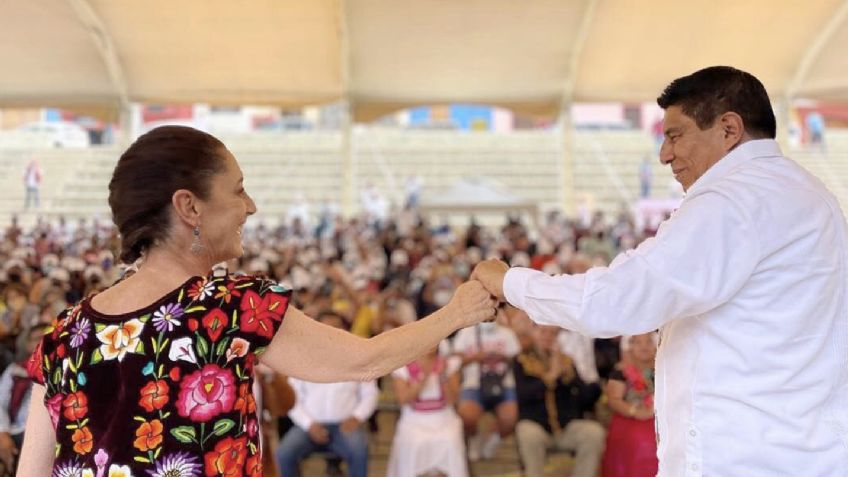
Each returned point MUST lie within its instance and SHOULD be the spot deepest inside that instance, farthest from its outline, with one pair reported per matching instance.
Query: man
(329, 417)
(747, 284)
(551, 402)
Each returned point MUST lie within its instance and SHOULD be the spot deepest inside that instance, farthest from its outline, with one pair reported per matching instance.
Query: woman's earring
(196, 246)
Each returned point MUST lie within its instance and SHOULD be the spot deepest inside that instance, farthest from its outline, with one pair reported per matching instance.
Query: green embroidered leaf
(144, 318)
(154, 345)
(196, 308)
(184, 434)
(156, 454)
(139, 458)
(182, 294)
(223, 426)
(99, 327)
(140, 348)
(235, 319)
(222, 347)
(202, 346)
(96, 356)
(139, 419)
(73, 386)
(72, 426)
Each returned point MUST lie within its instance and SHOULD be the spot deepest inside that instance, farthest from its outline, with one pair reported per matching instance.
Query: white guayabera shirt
(747, 284)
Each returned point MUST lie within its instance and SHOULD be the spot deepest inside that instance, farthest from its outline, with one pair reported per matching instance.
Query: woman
(154, 375)
(631, 443)
(428, 439)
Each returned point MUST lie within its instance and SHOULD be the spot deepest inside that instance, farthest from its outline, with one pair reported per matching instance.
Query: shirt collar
(736, 157)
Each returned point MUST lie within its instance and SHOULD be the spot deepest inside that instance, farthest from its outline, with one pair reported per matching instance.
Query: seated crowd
(551, 389)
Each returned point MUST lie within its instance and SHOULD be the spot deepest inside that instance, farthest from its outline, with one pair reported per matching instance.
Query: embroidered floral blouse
(165, 390)
(640, 384)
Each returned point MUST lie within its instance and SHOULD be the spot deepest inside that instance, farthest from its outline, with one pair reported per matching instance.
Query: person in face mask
(488, 384)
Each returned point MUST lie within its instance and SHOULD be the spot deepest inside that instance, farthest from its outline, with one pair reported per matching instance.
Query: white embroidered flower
(120, 339)
(182, 350)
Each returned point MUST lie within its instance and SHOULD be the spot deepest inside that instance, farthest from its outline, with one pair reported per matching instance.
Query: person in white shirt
(746, 283)
(329, 416)
(487, 350)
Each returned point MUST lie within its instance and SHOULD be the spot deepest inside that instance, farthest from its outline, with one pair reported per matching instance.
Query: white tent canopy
(381, 55)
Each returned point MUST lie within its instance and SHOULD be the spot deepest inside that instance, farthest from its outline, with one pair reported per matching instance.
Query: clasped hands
(477, 299)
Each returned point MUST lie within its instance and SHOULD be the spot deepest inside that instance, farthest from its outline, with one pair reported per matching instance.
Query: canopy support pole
(108, 53)
(569, 205)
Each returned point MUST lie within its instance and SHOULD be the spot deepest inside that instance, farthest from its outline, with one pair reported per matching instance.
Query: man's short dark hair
(708, 93)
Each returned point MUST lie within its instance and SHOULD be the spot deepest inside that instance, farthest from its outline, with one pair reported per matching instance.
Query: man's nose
(666, 154)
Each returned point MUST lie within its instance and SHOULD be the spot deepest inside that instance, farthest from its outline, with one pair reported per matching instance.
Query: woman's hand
(472, 304)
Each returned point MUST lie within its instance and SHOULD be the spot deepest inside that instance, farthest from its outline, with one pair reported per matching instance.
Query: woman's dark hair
(708, 93)
(156, 165)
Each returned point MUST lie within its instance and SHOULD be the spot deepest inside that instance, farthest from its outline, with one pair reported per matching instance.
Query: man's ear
(733, 129)
(187, 207)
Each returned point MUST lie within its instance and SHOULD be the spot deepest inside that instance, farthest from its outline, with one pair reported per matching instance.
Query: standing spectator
(551, 402)
(428, 437)
(646, 177)
(32, 182)
(815, 127)
(15, 387)
(487, 384)
(632, 443)
(329, 416)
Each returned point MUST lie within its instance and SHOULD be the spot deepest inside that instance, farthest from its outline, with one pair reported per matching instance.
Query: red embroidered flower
(76, 406)
(148, 435)
(245, 403)
(192, 325)
(227, 292)
(83, 440)
(254, 466)
(227, 458)
(259, 313)
(206, 393)
(154, 395)
(174, 374)
(214, 322)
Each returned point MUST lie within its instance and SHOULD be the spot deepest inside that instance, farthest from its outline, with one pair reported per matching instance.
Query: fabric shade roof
(382, 55)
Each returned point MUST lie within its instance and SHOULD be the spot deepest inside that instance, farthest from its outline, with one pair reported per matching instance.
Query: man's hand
(319, 434)
(350, 424)
(490, 274)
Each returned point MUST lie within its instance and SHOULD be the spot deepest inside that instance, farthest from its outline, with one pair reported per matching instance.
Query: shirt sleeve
(259, 310)
(700, 258)
(5, 395)
(35, 363)
(368, 396)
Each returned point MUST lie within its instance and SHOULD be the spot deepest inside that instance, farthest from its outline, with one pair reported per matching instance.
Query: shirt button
(693, 433)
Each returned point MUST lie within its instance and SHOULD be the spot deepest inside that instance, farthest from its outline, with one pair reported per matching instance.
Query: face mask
(442, 297)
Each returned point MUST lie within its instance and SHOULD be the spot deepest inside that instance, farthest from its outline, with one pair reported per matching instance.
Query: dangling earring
(196, 246)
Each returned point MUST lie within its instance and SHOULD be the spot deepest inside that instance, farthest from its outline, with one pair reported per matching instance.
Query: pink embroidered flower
(54, 408)
(206, 393)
